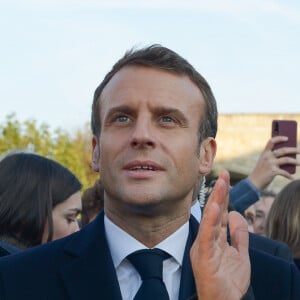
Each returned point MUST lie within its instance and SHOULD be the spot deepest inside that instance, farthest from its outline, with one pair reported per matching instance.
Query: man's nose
(143, 133)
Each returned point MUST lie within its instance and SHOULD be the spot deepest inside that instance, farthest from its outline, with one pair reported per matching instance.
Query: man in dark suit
(146, 115)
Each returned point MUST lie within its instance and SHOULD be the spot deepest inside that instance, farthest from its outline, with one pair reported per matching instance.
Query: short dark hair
(156, 56)
(30, 187)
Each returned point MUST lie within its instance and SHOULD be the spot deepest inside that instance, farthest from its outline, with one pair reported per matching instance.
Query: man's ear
(208, 151)
(95, 154)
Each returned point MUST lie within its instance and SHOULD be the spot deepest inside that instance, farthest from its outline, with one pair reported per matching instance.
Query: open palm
(221, 270)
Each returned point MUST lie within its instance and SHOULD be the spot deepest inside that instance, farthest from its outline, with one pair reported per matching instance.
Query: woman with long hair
(39, 200)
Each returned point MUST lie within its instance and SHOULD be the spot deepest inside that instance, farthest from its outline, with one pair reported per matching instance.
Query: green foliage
(74, 152)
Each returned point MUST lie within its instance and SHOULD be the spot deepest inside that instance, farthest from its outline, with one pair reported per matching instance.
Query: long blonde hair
(283, 222)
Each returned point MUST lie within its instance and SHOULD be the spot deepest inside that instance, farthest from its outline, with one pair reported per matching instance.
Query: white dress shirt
(196, 211)
(121, 244)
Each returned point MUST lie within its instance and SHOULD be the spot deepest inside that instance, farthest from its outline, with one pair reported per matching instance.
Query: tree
(74, 152)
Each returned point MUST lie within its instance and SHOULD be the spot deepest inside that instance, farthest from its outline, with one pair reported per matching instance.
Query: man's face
(256, 215)
(262, 209)
(149, 156)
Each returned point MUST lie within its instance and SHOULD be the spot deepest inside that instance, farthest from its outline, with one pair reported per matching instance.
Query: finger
(221, 190)
(215, 212)
(285, 161)
(274, 140)
(239, 233)
(284, 173)
(208, 230)
(286, 151)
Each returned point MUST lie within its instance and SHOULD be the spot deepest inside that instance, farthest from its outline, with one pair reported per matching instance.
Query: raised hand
(269, 162)
(221, 271)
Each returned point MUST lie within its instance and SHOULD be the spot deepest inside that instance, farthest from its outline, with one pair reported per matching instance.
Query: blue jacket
(243, 194)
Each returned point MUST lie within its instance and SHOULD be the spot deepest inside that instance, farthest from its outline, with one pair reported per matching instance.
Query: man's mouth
(143, 166)
(137, 168)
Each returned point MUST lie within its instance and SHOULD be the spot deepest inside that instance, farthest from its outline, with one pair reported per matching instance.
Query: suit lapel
(187, 284)
(89, 270)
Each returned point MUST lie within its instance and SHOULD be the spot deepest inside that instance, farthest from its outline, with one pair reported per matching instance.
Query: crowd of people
(151, 227)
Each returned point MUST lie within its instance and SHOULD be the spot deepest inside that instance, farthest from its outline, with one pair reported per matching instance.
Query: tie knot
(148, 262)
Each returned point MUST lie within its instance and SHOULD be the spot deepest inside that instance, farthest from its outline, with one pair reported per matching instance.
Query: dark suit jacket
(80, 267)
(270, 246)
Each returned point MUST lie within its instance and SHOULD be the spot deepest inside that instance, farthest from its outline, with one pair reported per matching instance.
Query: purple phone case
(286, 128)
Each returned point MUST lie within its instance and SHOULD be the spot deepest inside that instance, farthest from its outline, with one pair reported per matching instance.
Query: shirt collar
(174, 244)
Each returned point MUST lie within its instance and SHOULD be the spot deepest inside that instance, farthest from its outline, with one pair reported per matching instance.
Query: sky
(54, 53)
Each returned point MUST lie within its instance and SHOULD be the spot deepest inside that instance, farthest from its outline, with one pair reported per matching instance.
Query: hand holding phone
(286, 128)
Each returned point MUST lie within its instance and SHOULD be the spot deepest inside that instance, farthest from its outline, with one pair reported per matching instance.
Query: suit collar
(84, 277)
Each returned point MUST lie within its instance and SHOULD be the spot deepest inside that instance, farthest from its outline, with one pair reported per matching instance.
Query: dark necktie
(149, 264)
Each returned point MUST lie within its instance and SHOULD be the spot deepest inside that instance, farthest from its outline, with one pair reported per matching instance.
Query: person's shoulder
(273, 277)
(34, 255)
(270, 246)
(258, 256)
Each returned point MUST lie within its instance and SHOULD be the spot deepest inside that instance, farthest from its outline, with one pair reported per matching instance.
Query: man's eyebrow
(161, 110)
(121, 108)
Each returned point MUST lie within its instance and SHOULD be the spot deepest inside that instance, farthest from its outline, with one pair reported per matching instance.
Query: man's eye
(122, 119)
(167, 119)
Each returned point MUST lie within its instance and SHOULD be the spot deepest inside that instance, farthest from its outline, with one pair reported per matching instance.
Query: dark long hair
(30, 187)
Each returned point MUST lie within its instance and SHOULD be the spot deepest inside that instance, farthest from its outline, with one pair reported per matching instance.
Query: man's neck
(149, 230)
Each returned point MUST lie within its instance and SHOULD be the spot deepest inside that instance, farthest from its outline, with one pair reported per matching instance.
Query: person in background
(250, 216)
(247, 191)
(283, 222)
(39, 200)
(256, 215)
(92, 202)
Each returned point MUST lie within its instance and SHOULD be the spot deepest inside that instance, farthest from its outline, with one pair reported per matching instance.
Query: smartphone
(286, 128)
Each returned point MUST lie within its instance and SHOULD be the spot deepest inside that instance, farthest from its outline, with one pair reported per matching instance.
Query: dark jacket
(270, 246)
